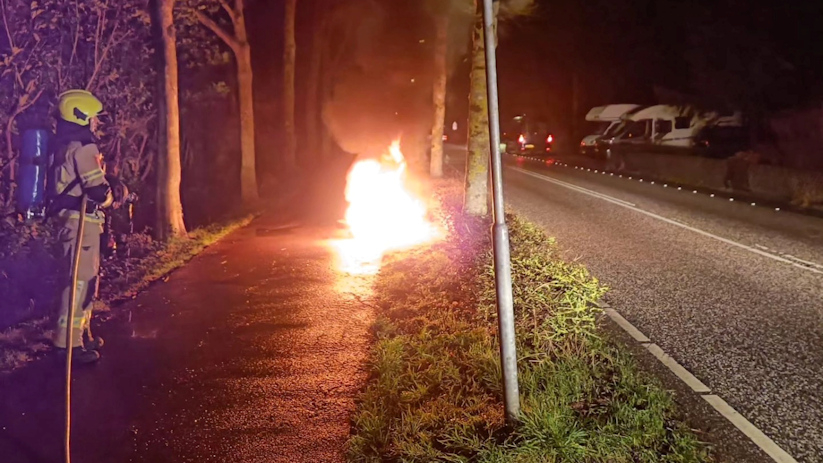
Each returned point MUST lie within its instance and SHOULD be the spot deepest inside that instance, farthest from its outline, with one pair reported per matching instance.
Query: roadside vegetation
(149, 260)
(434, 390)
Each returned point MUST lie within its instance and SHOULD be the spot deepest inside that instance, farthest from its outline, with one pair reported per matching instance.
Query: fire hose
(75, 266)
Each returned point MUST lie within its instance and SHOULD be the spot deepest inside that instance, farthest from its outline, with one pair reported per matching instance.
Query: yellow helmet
(79, 106)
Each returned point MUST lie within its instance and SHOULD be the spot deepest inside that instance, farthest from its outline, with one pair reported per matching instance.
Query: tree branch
(232, 13)
(230, 40)
(76, 35)
(106, 50)
(6, 24)
(104, 54)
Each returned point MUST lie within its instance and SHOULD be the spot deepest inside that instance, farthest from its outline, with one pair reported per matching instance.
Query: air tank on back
(33, 164)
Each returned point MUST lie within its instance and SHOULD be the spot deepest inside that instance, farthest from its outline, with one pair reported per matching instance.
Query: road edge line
(751, 431)
(755, 435)
(631, 206)
(679, 370)
(627, 327)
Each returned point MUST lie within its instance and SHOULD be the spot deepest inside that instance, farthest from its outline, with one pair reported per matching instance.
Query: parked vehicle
(525, 135)
(604, 119)
(721, 141)
(665, 127)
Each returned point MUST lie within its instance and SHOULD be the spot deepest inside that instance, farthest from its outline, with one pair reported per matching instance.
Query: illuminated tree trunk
(171, 217)
(248, 172)
(289, 52)
(239, 43)
(476, 190)
(439, 91)
(313, 88)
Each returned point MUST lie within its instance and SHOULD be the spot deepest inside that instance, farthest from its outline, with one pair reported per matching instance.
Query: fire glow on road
(383, 215)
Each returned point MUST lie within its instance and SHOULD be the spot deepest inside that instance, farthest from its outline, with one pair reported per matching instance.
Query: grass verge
(434, 391)
(122, 279)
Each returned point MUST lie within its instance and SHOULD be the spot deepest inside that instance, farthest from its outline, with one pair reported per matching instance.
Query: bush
(29, 269)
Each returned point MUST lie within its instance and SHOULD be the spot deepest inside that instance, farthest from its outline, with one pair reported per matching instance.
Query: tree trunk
(289, 52)
(248, 172)
(170, 174)
(476, 189)
(326, 93)
(439, 91)
(312, 109)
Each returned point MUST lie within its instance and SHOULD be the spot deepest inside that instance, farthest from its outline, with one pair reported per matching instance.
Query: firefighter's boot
(79, 356)
(90, 341)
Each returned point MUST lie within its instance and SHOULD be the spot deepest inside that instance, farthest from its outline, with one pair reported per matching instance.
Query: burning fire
(382, 214)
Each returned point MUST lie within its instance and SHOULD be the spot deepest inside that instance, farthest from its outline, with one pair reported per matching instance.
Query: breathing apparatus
(36, 195)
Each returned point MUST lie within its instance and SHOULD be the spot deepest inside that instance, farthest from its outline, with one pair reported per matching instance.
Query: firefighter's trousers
(86, 277)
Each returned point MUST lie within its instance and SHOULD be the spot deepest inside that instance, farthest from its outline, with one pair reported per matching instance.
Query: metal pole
(500, 232)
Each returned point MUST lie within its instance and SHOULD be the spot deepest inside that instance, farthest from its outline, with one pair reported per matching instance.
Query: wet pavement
(253, 352)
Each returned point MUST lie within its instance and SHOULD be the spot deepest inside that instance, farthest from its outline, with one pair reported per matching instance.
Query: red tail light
(549, 139)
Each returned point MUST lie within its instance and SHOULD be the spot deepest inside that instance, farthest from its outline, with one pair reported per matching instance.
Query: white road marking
(754, 434)
(761, 440)
(579, 189)
(695, 384)
(628, 327)
(806, 262)
(633, 207)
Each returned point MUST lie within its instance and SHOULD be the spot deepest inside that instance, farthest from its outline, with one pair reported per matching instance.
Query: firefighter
(77, 171)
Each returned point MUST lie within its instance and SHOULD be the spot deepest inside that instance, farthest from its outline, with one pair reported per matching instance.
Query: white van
(672, 126)
(606, 118)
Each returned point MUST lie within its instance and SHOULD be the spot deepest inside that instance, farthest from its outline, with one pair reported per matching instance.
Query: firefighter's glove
(101, 195)
(119, 191)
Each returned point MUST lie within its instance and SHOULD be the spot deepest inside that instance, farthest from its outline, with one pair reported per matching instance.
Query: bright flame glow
(382, 214)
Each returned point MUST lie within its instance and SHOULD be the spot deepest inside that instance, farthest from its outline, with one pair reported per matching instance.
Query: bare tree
(439, 94)
(238, 41)
(169, 178)
(289, 56)
(319, 34)
(476, 188)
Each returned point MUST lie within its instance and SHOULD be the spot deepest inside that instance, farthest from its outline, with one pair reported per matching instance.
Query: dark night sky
(767, 55)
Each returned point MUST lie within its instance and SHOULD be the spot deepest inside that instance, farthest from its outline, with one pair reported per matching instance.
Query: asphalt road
(733, 292)
(253, 352)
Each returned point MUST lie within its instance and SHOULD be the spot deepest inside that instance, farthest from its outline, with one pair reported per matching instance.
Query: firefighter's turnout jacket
(77, 171)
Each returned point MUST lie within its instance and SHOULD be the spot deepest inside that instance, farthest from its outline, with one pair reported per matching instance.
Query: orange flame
(382, 215)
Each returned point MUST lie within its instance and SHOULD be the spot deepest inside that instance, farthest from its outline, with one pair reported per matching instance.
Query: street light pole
(500, 232)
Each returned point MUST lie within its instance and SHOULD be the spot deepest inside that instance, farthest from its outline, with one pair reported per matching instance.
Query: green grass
(434, 389)
(124, 278)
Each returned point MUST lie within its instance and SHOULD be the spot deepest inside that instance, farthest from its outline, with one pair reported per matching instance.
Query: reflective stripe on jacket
(84, 161)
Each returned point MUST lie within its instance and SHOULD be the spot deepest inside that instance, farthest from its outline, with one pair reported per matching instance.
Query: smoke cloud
(383, 90)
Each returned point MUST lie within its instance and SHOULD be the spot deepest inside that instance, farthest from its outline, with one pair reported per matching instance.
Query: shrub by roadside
(29, 251)
(434, 390)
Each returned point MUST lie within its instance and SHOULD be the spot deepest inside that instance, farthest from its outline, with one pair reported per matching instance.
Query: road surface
(733, 291)
(253, 352)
